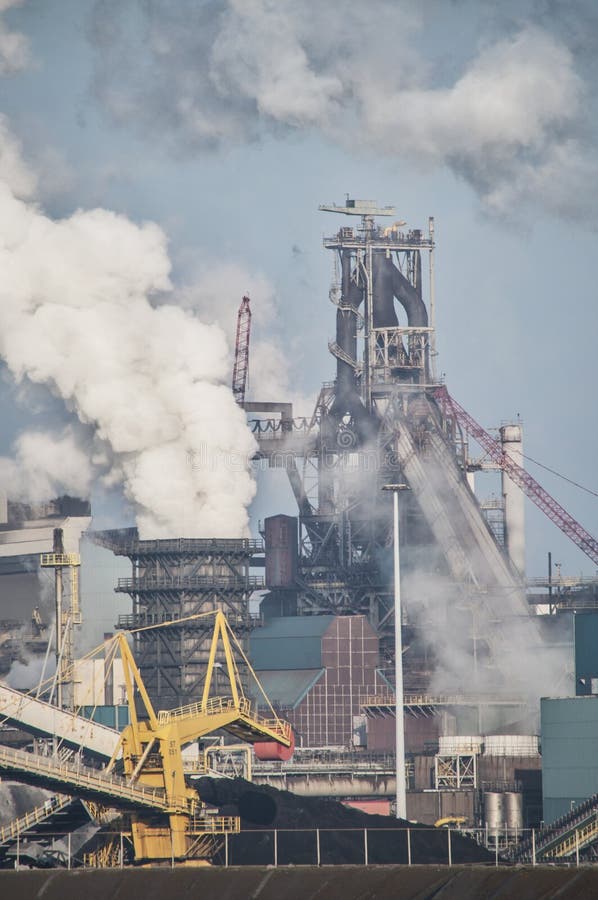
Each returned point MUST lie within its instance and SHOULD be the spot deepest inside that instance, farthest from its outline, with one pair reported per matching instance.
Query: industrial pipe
(389, 282)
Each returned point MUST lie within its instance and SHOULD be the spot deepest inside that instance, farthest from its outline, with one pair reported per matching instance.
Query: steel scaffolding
(174, 581)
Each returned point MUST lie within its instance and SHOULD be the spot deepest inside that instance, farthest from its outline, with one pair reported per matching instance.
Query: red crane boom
(522, 479)
(241, 365)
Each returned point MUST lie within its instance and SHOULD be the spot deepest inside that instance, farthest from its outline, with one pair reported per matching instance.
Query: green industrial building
(569, 753)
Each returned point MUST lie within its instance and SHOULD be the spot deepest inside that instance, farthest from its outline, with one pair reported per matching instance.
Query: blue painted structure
(569, 728)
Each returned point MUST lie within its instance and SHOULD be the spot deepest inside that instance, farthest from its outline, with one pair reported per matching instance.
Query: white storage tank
(511, 745)
(451, 744)
(494, 815)
(513, 810)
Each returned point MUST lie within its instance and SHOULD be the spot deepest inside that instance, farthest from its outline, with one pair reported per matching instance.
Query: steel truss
(455, 771)
(172, 581)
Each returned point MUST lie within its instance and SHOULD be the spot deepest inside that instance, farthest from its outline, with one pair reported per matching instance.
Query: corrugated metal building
(317, 670)
(569, 753)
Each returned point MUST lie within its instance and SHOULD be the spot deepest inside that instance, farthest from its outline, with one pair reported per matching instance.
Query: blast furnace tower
(382, 421)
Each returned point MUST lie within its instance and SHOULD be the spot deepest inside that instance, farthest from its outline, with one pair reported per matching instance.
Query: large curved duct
(389, 282)
(347, 399)
(383, 313)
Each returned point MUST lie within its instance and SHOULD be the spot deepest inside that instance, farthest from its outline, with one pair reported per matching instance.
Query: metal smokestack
(512, 445)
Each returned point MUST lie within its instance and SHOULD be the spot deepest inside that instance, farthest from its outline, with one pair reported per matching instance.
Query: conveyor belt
(564, 837)
(91, 784)
(43, 719)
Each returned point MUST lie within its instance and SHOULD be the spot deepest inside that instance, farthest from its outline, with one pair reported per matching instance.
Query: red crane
(522, 479)
(241, 366)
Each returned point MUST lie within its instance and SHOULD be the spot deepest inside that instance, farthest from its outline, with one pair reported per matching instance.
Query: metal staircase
(338, 351)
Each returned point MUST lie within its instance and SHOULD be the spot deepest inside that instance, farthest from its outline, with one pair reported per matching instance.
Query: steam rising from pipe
(146, 383)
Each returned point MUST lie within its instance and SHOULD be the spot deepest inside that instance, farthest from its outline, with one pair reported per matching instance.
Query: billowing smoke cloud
(476, 652)
(44, 464)
(215, 294)
(27, 673)
(14, 172)
(14, 47)
(146, 381)
(509, 117)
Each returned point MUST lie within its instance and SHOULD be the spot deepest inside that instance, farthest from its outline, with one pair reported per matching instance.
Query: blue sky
(516, 297)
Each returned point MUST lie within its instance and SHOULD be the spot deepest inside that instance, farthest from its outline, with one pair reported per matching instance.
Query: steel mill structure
(179, 581)
(381, 422)
(385, 419)
(320, 632)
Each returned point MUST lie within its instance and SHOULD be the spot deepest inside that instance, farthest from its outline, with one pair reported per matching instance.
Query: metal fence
(333, 846)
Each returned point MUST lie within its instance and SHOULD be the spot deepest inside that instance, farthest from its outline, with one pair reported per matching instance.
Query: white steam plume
(215, 294)
(458, 628)
(46, 464)
(508, 115)
(147, 381)
(14, 47)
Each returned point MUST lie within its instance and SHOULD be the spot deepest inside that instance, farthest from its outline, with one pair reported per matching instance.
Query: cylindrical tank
(450, 744)
(513, 810)
(512, 445)
(494, 816)
(511, 745)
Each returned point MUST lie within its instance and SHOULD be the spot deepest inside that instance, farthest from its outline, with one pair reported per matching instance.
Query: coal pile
(297, 820)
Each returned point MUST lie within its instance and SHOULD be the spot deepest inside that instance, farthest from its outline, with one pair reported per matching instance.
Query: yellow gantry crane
(152, 747)
(145, 776)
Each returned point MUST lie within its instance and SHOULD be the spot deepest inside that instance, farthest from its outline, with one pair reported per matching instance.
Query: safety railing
(407, 846)
(196, 545)
(557, 582)
(279, 726)
(213, 706)
(32, 817)
(125, 542)
(57, 560)
(239, 623)
(214, 825)
(576, 840)
(218, 705)
(108, 786)
(437, 700)
(165, 582)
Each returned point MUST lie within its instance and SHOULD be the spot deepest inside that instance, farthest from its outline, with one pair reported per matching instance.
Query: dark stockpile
(341, 830)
